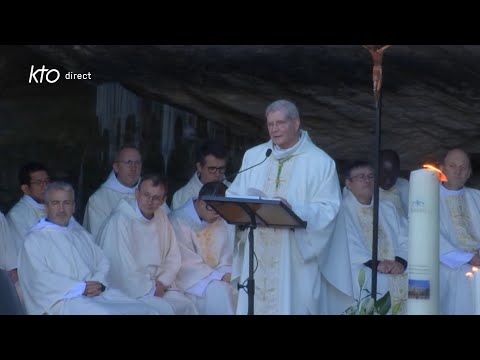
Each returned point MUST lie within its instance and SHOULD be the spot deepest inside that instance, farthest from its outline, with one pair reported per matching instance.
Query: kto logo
(51, 75)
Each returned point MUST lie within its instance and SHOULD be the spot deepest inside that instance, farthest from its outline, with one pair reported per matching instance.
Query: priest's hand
(384, 266)
(396, 268)
(159, 289)
(13, 275)
(227, 277)
(475, 260)
(93, 288)
(390, 267)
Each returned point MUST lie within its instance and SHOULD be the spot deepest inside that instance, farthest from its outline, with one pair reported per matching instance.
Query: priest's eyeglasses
(151, 198)
(214, 169)
(40, 182)
(362, 177)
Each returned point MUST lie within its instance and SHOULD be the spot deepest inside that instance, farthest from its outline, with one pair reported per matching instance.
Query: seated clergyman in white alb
(357, 211)
(206, 244)
(62, 271)
(122, 182)
(8, 259)
(393, 187)
(141, 246)
(459, 235)
(211, 165)
(33, 178)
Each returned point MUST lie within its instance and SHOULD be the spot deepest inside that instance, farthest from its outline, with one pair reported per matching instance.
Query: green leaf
(383, 305)
(361, 277)
(352, 310)
(396, 308)
(370, 306)
(365, 305)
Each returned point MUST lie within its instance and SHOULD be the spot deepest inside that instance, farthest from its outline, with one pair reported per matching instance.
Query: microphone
(267, 154)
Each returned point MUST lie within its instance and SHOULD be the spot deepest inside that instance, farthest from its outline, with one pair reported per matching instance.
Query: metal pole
(377, 54)
(376, 191)
(251, 266)
(251, 280)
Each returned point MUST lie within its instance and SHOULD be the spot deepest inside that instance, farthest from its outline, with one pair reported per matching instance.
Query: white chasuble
(55, 260)
(459, 242)
(392, 242)
(207, 250)
(141, 252)
(101, 204)
(21, 218)
(299, 271)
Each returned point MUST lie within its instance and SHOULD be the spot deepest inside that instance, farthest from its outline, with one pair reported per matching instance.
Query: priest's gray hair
(59, 185)
(291, 109)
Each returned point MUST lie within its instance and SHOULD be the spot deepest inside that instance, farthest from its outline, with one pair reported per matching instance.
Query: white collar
(43, 223)
(113, 183)
(139, 212)
(446, 192)
(197, 178)
(279, 153)
(33, 202)
(192, 213)
(351, 198)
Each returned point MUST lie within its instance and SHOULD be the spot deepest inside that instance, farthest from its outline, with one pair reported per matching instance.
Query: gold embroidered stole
(462, 223)
(365, 219)
(393, 195)
(397, 284)
(268, 242)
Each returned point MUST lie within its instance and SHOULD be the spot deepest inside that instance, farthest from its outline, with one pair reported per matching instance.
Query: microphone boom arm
(267, 154)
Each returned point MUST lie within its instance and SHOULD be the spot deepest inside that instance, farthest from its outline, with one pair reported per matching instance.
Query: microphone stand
(250, 287)
(267, 154)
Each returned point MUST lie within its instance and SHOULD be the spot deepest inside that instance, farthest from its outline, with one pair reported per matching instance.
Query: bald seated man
(459, 234)
(121, 183)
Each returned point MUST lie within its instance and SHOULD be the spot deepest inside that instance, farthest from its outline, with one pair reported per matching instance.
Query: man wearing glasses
(62, 271)
(122, 182)
(33, 178)
(297, 270)
(211, 165)
(357, 212)
(141, 246)
(206, 246)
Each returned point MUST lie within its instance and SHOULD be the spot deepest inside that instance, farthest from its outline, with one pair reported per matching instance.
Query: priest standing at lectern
(299, 271)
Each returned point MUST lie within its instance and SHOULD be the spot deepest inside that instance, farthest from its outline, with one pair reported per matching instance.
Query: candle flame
(469, 274)
(474, 268)
(441, 175)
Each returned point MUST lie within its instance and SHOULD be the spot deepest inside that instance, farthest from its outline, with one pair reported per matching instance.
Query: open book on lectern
(238, 210)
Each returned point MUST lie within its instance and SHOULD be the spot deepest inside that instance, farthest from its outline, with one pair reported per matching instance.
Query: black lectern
(250, 211)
